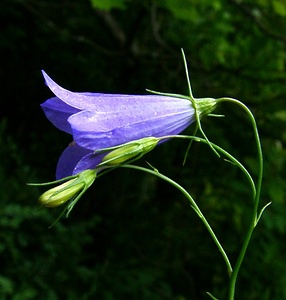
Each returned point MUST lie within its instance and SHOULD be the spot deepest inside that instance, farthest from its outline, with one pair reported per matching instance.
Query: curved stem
(231, 158)
(233, 277)
(193, 205)
(191, 200)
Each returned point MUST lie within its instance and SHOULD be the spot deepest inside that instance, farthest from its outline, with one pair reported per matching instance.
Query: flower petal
(76, 159)
(58, 112)
(89, 161)
(69, 159)
(105, 102)
(95, 130)
(81, 101)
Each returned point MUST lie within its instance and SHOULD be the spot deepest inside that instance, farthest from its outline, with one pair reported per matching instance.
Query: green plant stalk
(232, 273)
(254, 220)
(193, 205)
(231, 158)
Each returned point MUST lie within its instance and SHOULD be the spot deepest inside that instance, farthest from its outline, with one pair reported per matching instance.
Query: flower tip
(46, 77)
(44, 74)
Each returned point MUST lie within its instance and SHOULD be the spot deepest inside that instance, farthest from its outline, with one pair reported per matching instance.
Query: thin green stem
(193, 205)
(194, 103)
(233, 277)
(189, 146)
(187, 74)
(230, 158)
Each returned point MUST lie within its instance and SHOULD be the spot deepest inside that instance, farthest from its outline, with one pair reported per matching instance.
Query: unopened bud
(68, 190)
(130, 150)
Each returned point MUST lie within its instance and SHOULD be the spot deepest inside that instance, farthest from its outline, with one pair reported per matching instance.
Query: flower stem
(188, 196)
(229, 157)
(254, 219)
(193, 205)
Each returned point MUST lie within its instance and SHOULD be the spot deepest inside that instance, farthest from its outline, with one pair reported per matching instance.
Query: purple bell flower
(98, 121)
(105, 120)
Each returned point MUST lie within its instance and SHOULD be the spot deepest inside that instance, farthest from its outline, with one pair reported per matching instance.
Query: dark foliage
(132, 236)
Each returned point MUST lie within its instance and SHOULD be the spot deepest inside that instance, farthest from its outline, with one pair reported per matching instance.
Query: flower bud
(68, 190)
(130, 150)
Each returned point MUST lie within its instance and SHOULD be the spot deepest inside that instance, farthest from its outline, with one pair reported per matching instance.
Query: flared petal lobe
(69, 159)
(76, 159)
(58, 113)
(101, 102)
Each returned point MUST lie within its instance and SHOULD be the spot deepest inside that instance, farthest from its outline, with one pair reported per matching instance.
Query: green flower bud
(68, 190)
(130, 150)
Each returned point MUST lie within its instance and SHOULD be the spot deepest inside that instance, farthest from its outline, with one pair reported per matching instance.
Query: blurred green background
(132, 236)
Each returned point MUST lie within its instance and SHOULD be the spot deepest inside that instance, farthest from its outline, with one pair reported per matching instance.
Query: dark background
(133, 236)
